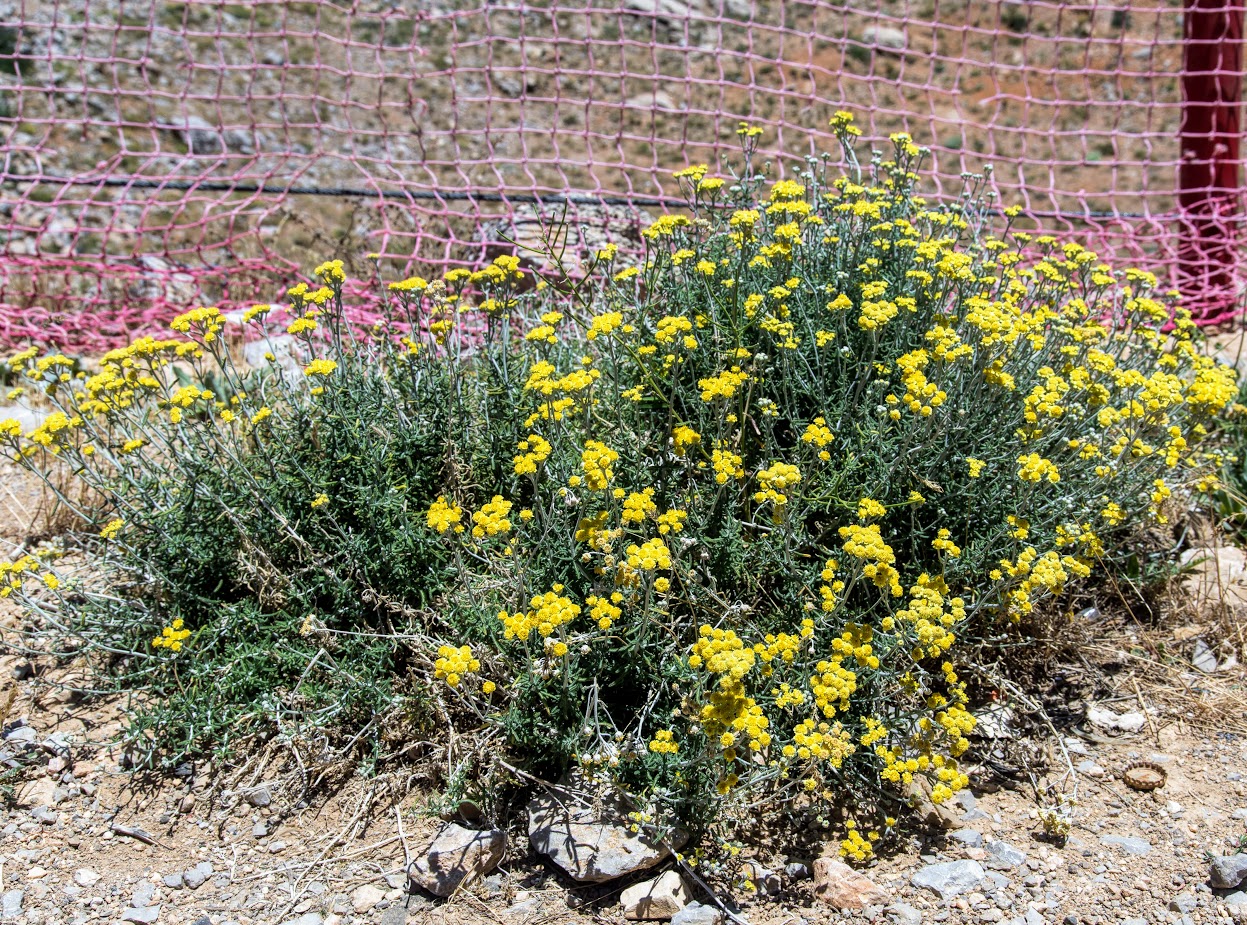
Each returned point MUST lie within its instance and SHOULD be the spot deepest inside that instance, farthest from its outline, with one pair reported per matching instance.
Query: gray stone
(655, 900)
(1139, 847)
(141, 915)
(1228, 872)
(903, 914)
(172, 881)
(457, 856)
(45, 816)
(797, 870)
(1203, 658)
(1237, 898)
(697, 914)
(11, 904)
(1089, 768)
(1185, 903)
(1139, 920)
(592, 843)
(194, 877)
(259, 830)
(23, 734)
(144, 893)
(259, 797)
(308, 918)
(950, 879)
(971, 838)
(1034, 917)
(1003, 856)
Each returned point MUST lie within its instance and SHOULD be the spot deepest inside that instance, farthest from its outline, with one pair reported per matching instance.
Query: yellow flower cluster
(443, 516)
(492, 519)
(722, 386)
(638, 505)
(650, 555)
(598, 460)
(534, 450)
(818, 434)
(453, 663)
(172, 637)
(867, 544)
(727, 465)
(604, 611)
(548, 612)
(1034, 468)
(869, 509)
(206, 322)
(776, 479)
(683, 439)
(664, 743)
(320, 367)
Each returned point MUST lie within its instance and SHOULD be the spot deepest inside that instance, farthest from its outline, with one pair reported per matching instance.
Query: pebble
(797, 870)
(142, 915)
(1139, 847)
(11, 904)
(1003, 856)
(86, 878)
(1186, 903)
(1117, 722)
(950, 879)
(363, 898)
(903, 914)
(971, 838)
(194, 877)
(173, 881)
(697, 914)
(259, 797)
(1228, 872)
(308, 918)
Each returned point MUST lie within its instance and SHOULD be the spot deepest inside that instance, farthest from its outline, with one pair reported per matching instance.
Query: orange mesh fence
(158, 154)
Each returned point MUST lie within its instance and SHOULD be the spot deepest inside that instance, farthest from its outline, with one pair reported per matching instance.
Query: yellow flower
(452, 664)
(320, 368)
(684, 438)
(443, 516)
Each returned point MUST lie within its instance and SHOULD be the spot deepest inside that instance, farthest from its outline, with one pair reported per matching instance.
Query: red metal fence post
(1209, 192)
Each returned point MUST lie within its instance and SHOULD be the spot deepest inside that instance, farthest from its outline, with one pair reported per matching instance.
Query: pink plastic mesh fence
(158, 154)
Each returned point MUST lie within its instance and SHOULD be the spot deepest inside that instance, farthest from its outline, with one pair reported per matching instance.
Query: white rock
(884, 37)
(950, 879)
(1116, 722)
(363, 898)
(655, 900)
(85, 877)
(37, 793)
(593, 843)
(697, 914)
(456, 856)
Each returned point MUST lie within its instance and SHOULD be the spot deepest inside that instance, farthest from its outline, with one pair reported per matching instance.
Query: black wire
(221, 186)
(351, 192)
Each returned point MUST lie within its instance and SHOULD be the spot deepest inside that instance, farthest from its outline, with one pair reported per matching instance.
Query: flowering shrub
(714, 523)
